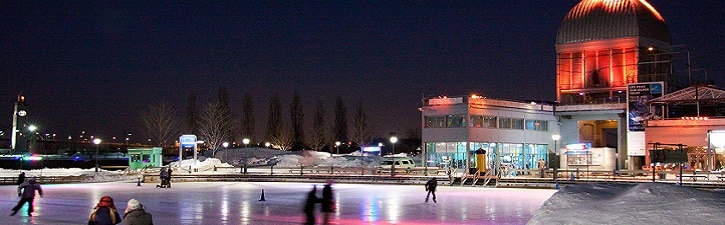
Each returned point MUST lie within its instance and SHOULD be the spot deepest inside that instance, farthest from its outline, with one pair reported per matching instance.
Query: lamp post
(267, 144)
(32, 129)
(393, 139)
(246, 142)
(556, 138)
(337, 147)
(225, 145)
(97, 141)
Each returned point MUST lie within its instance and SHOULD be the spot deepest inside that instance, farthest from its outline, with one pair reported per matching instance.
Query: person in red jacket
(105, 213)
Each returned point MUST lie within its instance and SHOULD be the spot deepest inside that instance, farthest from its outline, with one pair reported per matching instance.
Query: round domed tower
(609, 19)
(603, 45)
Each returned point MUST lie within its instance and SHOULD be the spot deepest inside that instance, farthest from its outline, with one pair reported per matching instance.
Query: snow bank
(646, 203)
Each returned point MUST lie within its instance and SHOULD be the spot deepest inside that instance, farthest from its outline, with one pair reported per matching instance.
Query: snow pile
(646, 203)
(202, 165)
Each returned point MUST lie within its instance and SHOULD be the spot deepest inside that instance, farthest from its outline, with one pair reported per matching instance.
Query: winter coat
(138, 217)
(311, 201)
(163, 173)
(104, 216)
(328, 203)
(27, 189)
(431, 185)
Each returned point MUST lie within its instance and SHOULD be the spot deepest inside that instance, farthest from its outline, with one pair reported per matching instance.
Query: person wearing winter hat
(105, 213)
(136, 214)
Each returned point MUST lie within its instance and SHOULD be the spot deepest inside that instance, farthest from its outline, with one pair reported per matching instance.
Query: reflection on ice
(237, 203)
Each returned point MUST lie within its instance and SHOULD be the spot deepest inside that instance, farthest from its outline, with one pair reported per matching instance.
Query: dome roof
(608, 19)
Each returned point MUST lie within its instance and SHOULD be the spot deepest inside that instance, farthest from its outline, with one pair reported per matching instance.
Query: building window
(476, 121)
(435, 122)
(483, 121)
(489, 122)
(539, 125)
(511, 123)
(456, 121)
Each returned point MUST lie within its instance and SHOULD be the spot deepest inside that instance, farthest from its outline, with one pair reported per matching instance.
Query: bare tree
(248, 117)
(297, 117)
(192, 122)
(340, 126)
(274, 120)
(284, 139)
(161, 123)
(360, 129)
(215, 127)
(317, 139)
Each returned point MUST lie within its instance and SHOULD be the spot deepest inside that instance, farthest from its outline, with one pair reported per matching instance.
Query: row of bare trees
(216, 123)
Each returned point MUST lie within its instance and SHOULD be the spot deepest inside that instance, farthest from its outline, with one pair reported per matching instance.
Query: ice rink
(238, 203)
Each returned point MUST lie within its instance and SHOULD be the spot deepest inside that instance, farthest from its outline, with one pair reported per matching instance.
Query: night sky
(94, 66)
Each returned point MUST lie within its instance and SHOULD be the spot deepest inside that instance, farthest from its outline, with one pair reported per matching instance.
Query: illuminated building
(613, 58)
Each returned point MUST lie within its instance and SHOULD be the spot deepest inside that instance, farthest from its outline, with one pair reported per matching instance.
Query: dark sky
(93, 67)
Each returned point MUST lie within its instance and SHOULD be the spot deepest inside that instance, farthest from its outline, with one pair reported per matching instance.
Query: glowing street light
(337, 147)
(556, 137)
(246, 142)
(267, 144)
(97, 141)
(393, 139)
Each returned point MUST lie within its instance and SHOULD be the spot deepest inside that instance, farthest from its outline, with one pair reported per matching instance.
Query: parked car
(399, 162)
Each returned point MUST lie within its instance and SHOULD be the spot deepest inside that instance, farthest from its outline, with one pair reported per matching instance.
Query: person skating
(105, 213)
(162, 176)
(542, 167)
(328, 202)
(26, 192)
(21, 178)
(430, 186)
(168, 177)
(309, 208)
(136, 214)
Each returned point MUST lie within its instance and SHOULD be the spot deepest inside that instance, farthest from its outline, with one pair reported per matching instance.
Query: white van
(400, 162)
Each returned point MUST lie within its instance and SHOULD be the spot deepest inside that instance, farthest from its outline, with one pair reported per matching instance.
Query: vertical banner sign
(638, 96)
(187, 141)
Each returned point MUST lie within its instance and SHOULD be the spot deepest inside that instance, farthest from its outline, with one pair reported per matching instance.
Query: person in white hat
(136, 214)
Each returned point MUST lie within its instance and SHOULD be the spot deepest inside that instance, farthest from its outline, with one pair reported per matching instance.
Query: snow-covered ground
(645, 203)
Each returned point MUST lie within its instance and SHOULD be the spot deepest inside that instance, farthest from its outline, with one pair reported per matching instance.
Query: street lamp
(556, 138)
(267, 144)
(393, 139)
(337, 147)
(32, 129)
(246, 142)
(225, 145)
(97, 141)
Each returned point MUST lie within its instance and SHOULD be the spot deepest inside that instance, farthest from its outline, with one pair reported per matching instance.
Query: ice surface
(238, 203)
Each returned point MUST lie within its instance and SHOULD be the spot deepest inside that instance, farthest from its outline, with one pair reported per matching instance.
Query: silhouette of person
(21, 178)
(309, 208)
(430, 186)
(26, 192)
(328, 202)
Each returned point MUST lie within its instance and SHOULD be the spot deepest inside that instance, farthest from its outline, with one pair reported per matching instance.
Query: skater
(162, 176)
(26, 192)
(328, 203)
(105, 213)
(168, 177)
(21, 178)
(542, 166)
(136, 214)
(430, 186)
(310, 206)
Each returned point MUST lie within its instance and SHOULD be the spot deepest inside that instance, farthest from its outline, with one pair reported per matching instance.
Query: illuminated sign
(371, 149)
(188, 141)
(638, 97)
(22, 113)
(579, 146)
